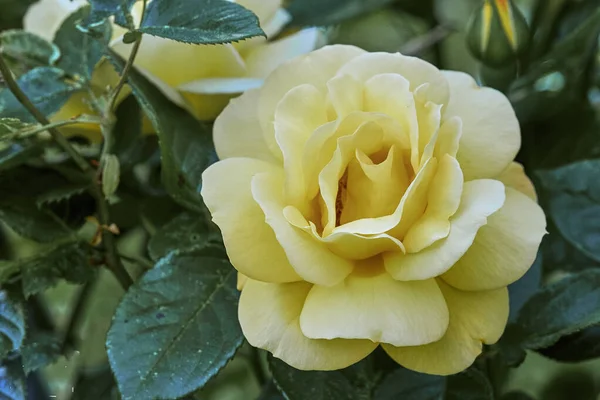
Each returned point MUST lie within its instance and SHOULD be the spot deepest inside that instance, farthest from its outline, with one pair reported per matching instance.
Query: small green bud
(498, 33)
(111, 175)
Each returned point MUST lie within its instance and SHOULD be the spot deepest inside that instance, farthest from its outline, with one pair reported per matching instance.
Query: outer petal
(504, 249)
(45, 17)
(415, 70)
(269, 316)
(480, 199)
(263, 59)
(369, 304)
(250, 243)
(315, 68)
(475, 318)
(491, 135)
(312, 260)
(237, 132)
(514, 176)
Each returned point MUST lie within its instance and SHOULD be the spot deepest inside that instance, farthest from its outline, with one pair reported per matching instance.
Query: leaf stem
(28, 131)
(41, 118)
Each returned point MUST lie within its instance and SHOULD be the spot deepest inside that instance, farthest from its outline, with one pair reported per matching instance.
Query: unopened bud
(498, 33)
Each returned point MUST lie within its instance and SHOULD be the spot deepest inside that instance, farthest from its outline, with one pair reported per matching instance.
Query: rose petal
(269, 316)
(237, 132)
(475, 318)
(369, 304)
(491, 135)
(504, 248)
(480, 199)
(312, 260)
(514, 176)
(45, 16)
(248, 239)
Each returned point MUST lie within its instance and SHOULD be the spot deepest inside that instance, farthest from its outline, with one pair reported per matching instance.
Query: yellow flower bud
(498, 32)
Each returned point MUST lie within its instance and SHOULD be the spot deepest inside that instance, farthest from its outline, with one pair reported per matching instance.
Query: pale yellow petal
(443, 200)
(312, 260)
(346, 95)
(480, 199)
(261, 60)
(413, 69)
(298, 114)
(514, 176)
(504, 249)
(237, 133)
(491, 136)
(369, 304)
(269, 316)
(250, 242)
(46, 16)
(315, 68)
(448, 138)
(475, 318)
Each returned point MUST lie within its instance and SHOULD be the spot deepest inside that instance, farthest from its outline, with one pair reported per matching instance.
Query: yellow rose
(369, 199)
(200, 78)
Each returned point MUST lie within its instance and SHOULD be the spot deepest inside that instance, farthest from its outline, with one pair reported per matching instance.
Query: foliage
(127, 204)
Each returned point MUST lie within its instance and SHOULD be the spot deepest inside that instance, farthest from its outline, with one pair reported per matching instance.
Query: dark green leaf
(182, 316)
(471, 384)
(61, 193)
(270, 392)
(560, 309)
(40, 349)
(516, 396)
(577, 347)
(156, 212)
(409, 385)
(46, 87)
(12, 382)
(12, 325)
(186, 231)
(329, 12)
(186, 144)
(67, 259)
(355, 382)
(104, 9)
(574, 204)
(98, 386)
(560, 255)
(80, 51)
(559, 78)
(30, 222)
(521, 290)
(27, 50)
(200, 21)
(128, 140)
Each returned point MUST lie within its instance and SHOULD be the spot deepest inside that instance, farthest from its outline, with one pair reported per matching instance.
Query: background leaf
(12, 382)
(329, 12)
(182, 315)
(24, 51)
(12, 324)
(200, 21)
(40, 349)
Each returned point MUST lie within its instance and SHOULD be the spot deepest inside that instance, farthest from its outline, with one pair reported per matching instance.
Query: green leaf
(39, 350)
(67, 259)
(127, 143)
(577, 347)
(522, 290)
(185, 231)
(61, 193)
(46, 87)
(12, 325)
(30, 222)
(516, 396)
(330, 12)
(104, 9)
(560, 78)
(12, 382)
(156, 212)
(200, 21)
(355, 382)
(471, 384)
(98, 386)
(185, 143)
(25, 50)
(574, 204)
(560, 309)
(270, 392)
(182, 317)
(560, 255)
(409, 385)
(9, 126)
(17, 154)
(80, 51)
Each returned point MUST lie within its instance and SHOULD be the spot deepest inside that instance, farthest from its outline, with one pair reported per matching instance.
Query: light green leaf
(80, 51)
(330, 12)
(182, 317)
(560, 309)
(185, 231)
(28, 49)
(12, 325)
(39, 350)
(47, 88)
(67, 259)
(200, 21)
(574, 204)
(10, 126)
(111, 175)
(185, 143)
